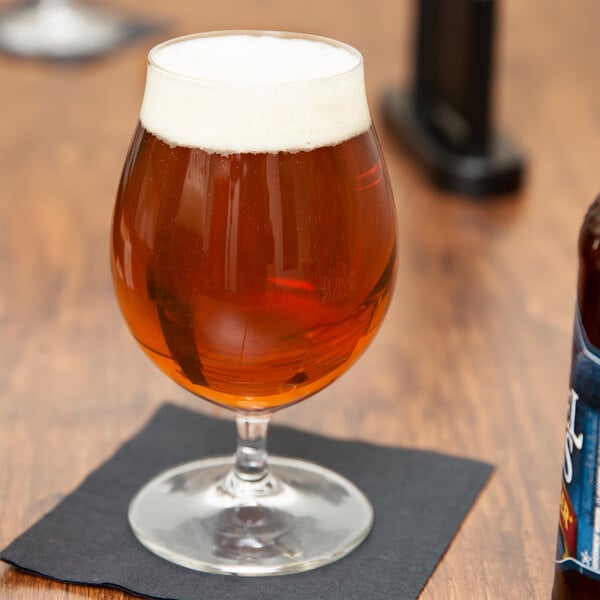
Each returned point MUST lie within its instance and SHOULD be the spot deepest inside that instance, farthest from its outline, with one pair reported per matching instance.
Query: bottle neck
(589, 274)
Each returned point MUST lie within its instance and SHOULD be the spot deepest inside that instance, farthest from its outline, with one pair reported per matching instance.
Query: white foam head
(254, 92)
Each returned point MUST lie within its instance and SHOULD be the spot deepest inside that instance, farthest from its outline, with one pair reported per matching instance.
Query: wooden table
(473, 358)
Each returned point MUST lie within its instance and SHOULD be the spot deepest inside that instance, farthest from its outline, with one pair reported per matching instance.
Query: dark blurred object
(445, 119)
(64, 30)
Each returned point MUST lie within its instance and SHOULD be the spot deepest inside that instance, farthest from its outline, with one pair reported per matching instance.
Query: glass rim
(152, 62)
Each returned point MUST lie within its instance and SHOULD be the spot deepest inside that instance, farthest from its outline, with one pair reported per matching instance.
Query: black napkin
(419, 498)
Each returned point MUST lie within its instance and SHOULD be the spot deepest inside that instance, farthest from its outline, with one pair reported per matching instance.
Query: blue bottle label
(578, 545)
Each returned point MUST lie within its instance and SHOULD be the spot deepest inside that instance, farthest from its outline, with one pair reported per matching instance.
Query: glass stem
(250, 476)
(251, 453)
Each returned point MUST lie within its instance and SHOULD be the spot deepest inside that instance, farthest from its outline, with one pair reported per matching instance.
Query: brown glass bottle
(577, 573)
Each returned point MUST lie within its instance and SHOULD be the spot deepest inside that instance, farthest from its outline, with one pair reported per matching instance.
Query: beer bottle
(577, 569)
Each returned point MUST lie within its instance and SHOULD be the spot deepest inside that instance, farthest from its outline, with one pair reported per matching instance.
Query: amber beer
(577, 573)
(253, 276)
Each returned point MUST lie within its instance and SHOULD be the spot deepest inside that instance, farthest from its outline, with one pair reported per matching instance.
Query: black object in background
(445, 120)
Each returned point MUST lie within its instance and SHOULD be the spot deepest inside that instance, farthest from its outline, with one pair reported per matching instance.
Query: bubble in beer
(232, 93)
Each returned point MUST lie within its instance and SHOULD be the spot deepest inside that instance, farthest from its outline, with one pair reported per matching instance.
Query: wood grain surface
(473, 358)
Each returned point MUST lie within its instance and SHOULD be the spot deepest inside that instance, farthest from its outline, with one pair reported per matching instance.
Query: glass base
(202, 516)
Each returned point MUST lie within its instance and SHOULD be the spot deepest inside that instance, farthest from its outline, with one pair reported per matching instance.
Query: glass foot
(305, 516)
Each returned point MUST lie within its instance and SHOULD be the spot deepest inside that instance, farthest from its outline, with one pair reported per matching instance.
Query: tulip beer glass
(253, 256)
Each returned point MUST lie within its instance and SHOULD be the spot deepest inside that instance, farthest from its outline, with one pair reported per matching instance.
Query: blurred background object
(64, 30)
(445, 117)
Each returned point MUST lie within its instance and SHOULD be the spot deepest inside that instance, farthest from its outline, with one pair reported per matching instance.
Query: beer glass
(253, 256)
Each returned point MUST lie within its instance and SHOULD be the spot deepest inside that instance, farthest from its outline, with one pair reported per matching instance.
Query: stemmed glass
(253, 257)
